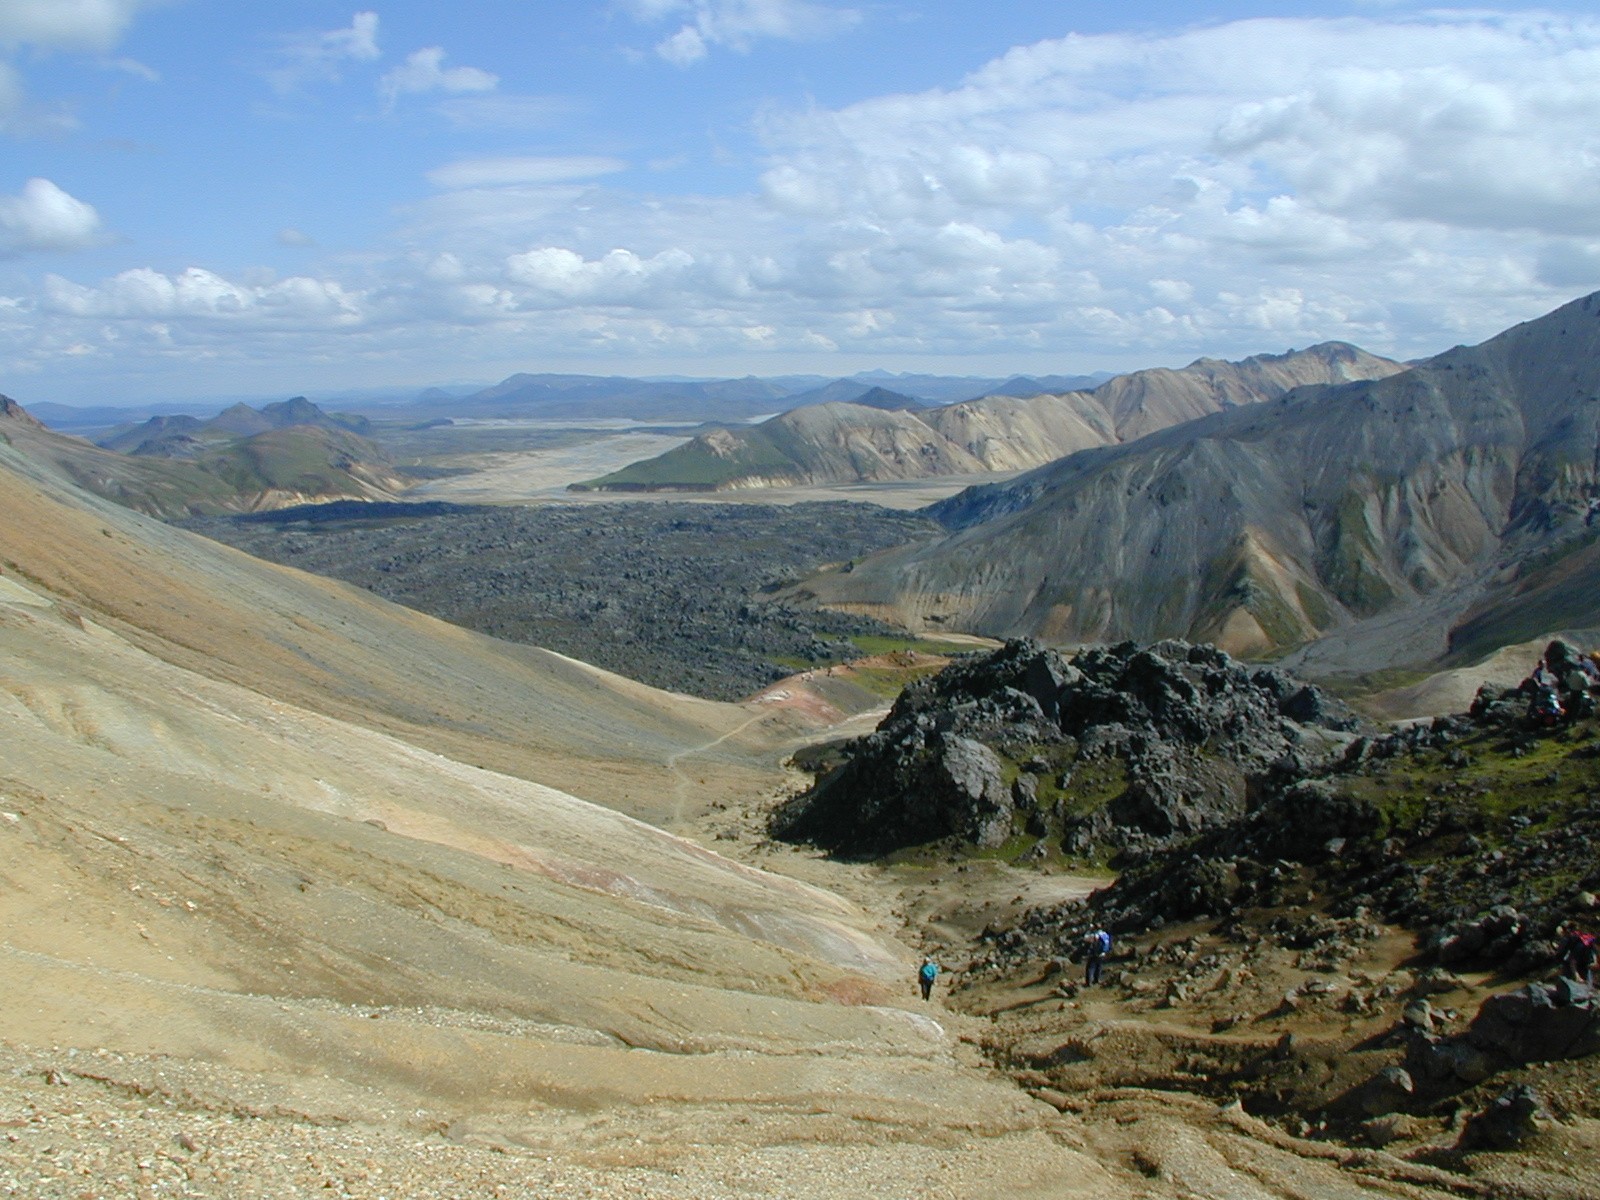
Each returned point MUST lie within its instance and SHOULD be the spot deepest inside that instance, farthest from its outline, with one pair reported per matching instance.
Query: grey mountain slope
(1265, 526)
(157, 435)
(994, 433)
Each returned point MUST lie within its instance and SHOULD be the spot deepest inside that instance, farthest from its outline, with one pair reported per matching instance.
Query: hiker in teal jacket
(926, 976)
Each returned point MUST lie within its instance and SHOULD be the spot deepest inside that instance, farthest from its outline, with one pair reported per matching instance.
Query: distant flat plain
(539, 474)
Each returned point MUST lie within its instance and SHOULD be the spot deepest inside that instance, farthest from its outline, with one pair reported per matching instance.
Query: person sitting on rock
(926, 975)
(1096, 946)
(1577, 954)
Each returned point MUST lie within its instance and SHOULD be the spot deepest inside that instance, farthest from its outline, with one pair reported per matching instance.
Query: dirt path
(681, 781)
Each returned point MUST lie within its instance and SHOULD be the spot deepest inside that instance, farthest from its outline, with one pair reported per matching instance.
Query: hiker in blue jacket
(926, 976)
(1095, 946)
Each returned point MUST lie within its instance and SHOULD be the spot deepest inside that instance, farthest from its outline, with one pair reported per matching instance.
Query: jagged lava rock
(1186, 725)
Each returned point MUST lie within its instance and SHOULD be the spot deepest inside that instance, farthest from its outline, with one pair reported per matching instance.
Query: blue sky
(204, 197)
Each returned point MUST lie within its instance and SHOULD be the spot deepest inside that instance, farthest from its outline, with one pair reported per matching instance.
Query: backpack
(1104, 940)
(930, 971)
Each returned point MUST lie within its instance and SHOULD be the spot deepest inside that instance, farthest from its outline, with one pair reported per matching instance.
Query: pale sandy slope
(347, 654)
(230, 838)
(258, 888)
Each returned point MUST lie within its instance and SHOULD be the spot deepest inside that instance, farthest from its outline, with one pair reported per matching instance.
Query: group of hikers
(1096, 949)
(1563, 685)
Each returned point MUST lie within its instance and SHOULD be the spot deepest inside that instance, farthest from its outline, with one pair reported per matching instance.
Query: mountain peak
(10, 410)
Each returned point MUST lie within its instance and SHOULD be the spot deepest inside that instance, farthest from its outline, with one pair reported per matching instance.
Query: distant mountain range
(188, 436)
(886, 436)
(580, 397)
(1442, 510)
(569, 397)
(243, 460)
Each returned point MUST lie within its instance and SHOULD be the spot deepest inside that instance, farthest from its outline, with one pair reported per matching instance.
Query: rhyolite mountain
(816, 444)
(244, 461)
(1442, 508)
(845, 443)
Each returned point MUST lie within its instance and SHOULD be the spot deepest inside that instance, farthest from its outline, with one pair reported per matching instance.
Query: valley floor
(81, 1123)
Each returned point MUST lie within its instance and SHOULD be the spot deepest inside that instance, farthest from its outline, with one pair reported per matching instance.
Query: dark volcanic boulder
(1125, 746)
(1514, 1118)
(1540, 1022)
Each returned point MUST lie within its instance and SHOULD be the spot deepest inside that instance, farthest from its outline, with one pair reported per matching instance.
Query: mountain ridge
(1267, 526)
(830, 443)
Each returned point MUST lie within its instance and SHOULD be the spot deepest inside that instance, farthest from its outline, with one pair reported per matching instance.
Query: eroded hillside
(1375, 516)
(867, 442)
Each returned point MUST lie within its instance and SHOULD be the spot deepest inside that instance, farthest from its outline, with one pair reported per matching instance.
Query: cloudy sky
(204, 197)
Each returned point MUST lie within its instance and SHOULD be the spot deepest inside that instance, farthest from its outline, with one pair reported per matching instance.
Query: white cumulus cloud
(68, 24)
(1511, 148)
(684, 48)
(46, 25)
(619, 276)
(424, 71)
(42, 217)
(143, 294)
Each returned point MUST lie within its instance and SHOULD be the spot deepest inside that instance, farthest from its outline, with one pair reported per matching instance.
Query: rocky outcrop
(1542, 1022)
(1458, 829)
(1131, 746)
(12, 413)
